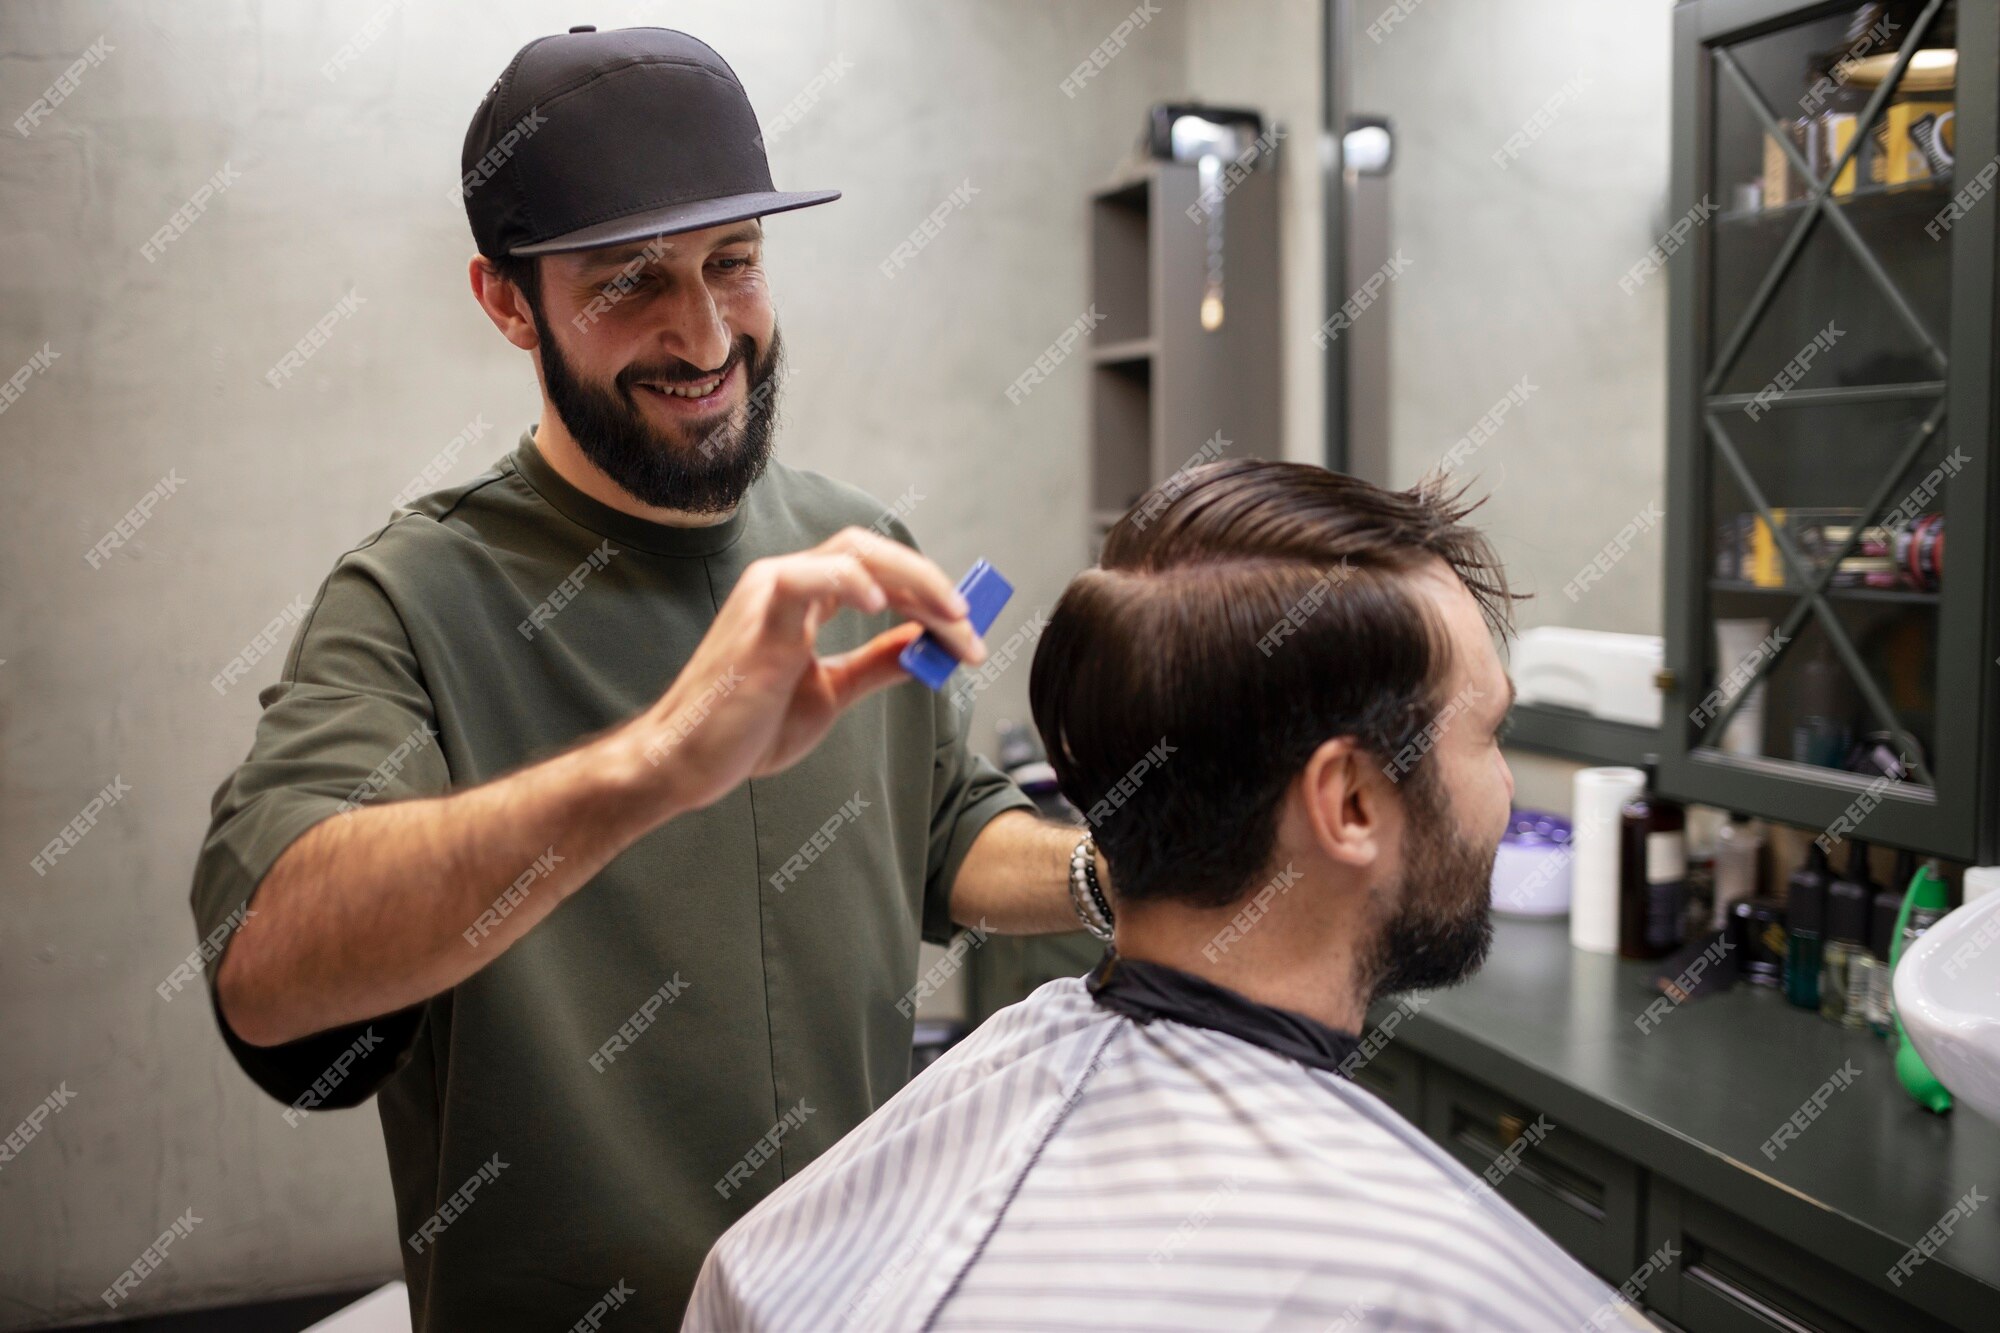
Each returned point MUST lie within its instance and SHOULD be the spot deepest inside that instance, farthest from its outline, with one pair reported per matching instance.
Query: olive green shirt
(576, 1123)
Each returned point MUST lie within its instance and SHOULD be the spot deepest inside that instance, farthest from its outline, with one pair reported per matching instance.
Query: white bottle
(1739, 847)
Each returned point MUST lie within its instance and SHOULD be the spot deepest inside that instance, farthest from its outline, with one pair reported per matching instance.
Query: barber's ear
(1345, 802)
(504, 304)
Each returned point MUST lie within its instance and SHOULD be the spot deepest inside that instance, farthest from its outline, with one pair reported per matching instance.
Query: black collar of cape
(1146, 991)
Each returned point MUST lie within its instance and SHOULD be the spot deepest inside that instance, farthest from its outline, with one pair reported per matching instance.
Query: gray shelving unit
(1162, 384)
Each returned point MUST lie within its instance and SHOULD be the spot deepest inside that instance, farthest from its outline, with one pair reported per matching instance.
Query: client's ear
(1344, 798)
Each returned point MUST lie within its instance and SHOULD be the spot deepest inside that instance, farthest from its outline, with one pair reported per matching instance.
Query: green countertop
(1694, 1098)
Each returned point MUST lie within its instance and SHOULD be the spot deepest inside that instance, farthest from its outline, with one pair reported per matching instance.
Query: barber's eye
(1504, 730)
(731, 265)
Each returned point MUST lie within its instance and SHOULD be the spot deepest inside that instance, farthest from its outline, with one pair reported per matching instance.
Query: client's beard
(704, 472)
(1442, 928)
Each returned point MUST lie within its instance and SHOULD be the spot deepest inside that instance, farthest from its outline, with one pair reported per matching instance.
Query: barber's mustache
(685, 372)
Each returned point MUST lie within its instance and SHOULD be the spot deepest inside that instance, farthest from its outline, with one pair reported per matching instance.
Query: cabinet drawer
(1731, 1276)
(1396, 1075)
(1586, 1197)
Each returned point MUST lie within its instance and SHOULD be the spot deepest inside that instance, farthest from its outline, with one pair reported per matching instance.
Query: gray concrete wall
(1513, 275)
(343, 186)
(1266, 54)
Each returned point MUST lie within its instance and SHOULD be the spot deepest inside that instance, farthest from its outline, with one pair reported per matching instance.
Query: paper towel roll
(1597, 797)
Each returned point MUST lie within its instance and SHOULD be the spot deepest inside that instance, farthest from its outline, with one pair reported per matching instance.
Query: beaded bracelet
(1085, 894)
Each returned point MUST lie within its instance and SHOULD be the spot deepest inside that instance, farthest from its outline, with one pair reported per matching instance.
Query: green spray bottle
(1926, 891)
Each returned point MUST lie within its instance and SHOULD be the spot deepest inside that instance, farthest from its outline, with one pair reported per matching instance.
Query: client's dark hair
(1242, 614)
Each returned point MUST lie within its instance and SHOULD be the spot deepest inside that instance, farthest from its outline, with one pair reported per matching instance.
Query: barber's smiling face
(661, 356)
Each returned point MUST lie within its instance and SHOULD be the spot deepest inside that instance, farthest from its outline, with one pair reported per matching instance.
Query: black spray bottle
(1843, 979)
(1805, 926)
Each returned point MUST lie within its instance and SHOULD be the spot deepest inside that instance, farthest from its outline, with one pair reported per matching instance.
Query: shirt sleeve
(966, 789)
(348, 723)
(969, 791)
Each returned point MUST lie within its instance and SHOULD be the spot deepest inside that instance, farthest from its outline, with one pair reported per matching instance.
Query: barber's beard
(701, 471)
(1442, 927)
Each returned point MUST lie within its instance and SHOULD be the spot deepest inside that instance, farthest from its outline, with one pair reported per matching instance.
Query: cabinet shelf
(1926, 196)
(1129, 193)
(1162, 385)
(1131, 349)
(1913, 596)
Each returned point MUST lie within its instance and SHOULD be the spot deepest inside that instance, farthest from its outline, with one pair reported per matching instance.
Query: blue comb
(985, 592)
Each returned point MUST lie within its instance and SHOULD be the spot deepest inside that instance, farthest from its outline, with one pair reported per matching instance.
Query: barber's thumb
(873, 665)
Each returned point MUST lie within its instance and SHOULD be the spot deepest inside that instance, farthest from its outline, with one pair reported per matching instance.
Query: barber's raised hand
(756, 697)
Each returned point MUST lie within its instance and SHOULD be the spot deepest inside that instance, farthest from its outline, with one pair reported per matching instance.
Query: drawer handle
(1535, 1167)
(1743, 1296)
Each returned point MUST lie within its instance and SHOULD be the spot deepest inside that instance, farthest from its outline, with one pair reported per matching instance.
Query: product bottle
(1652, 878)
(1930, 905)
(1979, 881)
(1927, 895)
(1877, 1001)
(1874, 966)
(1821, 733)
(1805, 925)
(1757, 929)
(1848, 900)
(1739, 849)
(1703, 825)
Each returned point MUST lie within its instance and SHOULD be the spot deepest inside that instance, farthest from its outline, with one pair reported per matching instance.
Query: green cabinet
(1397, 1077)
(1830, 417)
(1691, 1262)
(1650, 1152)
(1585, 1196)
(1733, 1277)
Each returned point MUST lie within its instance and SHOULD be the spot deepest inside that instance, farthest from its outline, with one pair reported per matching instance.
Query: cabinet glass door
(1825, 454)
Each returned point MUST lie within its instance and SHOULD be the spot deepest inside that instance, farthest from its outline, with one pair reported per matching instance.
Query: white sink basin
(1948, 996)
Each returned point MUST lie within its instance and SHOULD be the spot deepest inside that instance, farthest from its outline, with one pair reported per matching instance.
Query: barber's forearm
(379, 908)
(1015, 877)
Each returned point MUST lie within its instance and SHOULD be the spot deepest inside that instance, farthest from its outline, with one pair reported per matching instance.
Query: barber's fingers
(859, 673)
(804, 590)
(896, 565)
(914, 585)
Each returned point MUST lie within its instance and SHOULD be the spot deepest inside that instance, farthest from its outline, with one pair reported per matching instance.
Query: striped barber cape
(1146, 1153)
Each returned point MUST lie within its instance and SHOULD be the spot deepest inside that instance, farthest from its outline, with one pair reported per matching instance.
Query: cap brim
(678, 218)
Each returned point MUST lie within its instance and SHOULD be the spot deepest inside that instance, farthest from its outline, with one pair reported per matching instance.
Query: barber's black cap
(598, 138)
